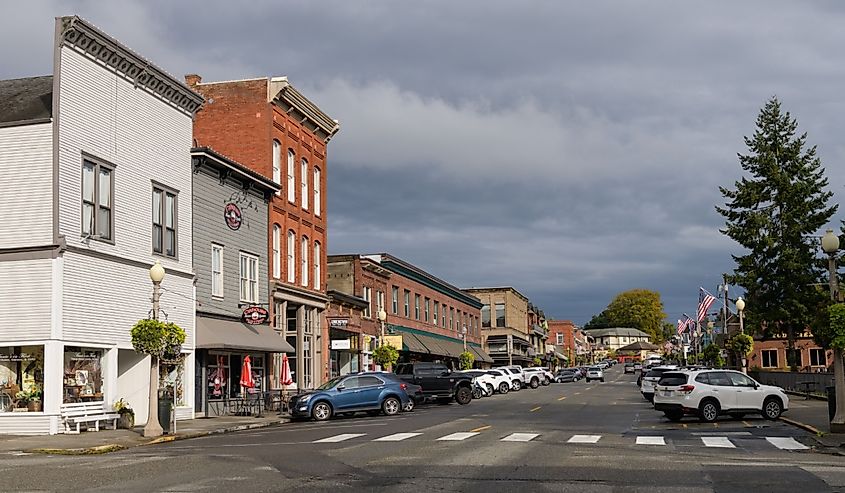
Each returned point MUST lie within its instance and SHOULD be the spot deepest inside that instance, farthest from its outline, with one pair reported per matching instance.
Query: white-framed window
(395, 302)
(416, 307)
(770, 358)
(436, 310)
(304, 260)
(249, 277)
(97, 200)
(216, 270)
(277, 251)
(559, 338)
(368, 297)
(427, 306)
(164, 221)
(277, 164)
(316, 186)
(817, 357)
(317, 263)
(291, 256)
(407, 304)
(303, 182)
(291, 177)
(380, 300)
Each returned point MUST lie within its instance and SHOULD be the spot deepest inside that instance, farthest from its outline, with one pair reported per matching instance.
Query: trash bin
(831, 401)
(165, 403)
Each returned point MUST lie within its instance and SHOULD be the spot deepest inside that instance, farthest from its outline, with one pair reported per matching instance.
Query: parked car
(629, 368)
(483, 379)
(602, 364)
(638, 366)
(649, 380)
(535, 376)
(710, 393)
(416, 395)
(370, 392)
(502, 380)
(568, 375)
(595, 373)
(438, 382)
(515, 373)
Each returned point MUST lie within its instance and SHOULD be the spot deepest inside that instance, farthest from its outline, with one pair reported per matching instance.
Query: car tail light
(686, 388)
(403, 386)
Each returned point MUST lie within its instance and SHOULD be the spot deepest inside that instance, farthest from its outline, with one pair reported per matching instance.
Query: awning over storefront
(216, 333)
(480, 354)
(412, 344)
(560, 356)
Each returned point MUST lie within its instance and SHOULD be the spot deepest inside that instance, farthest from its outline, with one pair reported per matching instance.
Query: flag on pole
(705, 301)
(683, 325)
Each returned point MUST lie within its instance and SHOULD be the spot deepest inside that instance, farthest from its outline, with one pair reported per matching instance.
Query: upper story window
(380, 300)
(435, 314)
(451, 319)
(395, 300)
(427, 305)
(291, 256)
(316, 186)
(277, 164)
(217, 270)
(416, 307)
(303, 182)
(368, 296)
(304, 260)
(277, 251)
(164, 221)
(559, 338)
(317, 263)
(291, 178)
(407, 304)
(443, 317)
(97, 200)
(485, 316)
(500, 315)
(249, 278)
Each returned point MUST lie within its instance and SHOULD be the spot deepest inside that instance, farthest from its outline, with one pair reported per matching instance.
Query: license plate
(666, 393)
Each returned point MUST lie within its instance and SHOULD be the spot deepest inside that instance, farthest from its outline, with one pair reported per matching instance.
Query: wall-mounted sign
(255, 315)
(341, 344)
(233, 216)
(395, 341)
(338, 322)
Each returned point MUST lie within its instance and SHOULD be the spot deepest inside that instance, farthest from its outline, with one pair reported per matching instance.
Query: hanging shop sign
(233, 216)
(255, 315)
(338, 322)
(395, 341)
(341, 344)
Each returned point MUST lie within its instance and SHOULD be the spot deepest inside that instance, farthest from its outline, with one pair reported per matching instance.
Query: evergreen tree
(774, 214)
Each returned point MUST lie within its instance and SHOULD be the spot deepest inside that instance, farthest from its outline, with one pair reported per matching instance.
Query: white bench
(86, 412)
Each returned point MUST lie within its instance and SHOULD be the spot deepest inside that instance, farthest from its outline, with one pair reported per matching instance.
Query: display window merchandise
(83, 374)
(171, 381)
(21, 378)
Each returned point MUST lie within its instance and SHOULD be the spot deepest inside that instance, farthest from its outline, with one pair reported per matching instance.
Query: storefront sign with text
(255, 315)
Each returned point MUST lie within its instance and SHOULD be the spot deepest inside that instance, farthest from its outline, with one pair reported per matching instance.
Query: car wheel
(463, 396)
(772, 408)
(588, 379)
(517, 385)
(708, 411)
(535, 382)
(489, 389)
(410, 405)
(602, 380)
(321, 411)
(737, 415)
(504, 388)
(476, 392)
(391, 406)
(546, 381)
(674, 416)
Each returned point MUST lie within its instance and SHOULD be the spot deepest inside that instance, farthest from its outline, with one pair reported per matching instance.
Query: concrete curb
(814, 397)
(114, 447)
(803, 426)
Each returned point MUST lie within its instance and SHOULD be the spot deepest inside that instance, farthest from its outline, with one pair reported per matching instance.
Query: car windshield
(594, 368)
(331, 383)
(673, 379)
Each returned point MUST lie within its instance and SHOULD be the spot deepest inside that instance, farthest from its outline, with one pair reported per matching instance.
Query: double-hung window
(291, 179)
(817, 357)
(317, 263)
(416, 307)
(316, 185)
(216, 270)
(436, 309)
(291, 256)
(427, 306)
(368, 296)
(97, 200)
(303, 182)
(277, 251)
(249, 278)
(500, 314)
(770, 358)
(164, 221)
(277, 164)
(407, 304)
(380, 300)
(395, 300)
(304, 260)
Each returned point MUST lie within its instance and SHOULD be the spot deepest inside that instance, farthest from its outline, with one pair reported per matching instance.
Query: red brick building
(272, 128)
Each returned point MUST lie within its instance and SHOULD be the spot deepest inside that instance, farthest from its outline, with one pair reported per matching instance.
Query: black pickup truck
(437, 381)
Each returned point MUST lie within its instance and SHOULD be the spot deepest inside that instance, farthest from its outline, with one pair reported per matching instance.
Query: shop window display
(83, 374)
(171, 378)
(21, 378)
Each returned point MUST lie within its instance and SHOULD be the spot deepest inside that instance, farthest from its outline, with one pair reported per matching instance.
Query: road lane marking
(747, 424)
(577, 393)
(786, 443)
(397, 437)
(536, 409)
(561, 398)
(613, 403)
(584, 439)
(715, 425)
(684, 425)
(339, 438)
(520, 437)
(480, 428)
(718, 442)
(650, 441)
(455, 437)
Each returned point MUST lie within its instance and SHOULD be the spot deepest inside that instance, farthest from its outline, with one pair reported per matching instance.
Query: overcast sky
(571, 150)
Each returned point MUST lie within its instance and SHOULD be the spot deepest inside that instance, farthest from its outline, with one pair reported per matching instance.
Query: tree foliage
(836, 312)
(465, 360)
(742, 344)
(638, 308)
(712, 355)
(773, 214)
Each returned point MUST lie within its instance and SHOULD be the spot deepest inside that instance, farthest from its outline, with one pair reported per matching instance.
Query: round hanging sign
(255, 315)
(232, 215)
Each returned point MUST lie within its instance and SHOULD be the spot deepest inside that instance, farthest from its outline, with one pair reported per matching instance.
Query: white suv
(536, 376)
(709, 393)
(502, 380)
(595, 373)
(650, 379)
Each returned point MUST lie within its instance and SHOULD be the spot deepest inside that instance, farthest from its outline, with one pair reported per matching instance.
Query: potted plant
(22, 399)
(34, 404)
(127, 415)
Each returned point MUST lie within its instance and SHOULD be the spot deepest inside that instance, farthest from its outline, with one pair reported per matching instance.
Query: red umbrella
(246, 374)
(286, 378)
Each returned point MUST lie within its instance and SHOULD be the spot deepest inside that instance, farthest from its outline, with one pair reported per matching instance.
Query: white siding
(25, 299)
(147, 139)
(27, 163)
(27, 423)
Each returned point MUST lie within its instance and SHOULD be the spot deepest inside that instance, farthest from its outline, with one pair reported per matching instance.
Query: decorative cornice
(283, 94)
(80, 35)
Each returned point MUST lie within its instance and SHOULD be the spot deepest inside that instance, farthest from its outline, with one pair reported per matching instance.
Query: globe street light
(740, 307)
(153, 427)
(830, 245)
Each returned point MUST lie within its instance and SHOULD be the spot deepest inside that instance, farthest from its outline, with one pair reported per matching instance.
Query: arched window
(304, 260)
(316, 185)
(317, 262)
(291, 179)
(303, 177)
(277, 251)
(291, 256)
(277, 164)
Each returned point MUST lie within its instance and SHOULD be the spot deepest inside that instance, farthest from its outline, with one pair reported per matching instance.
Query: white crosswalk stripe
(786, 443)
(339, 438)
(520, 437)
(584, 439)
(718, 442)
(454, 437)
(650, 441)
(397, 437)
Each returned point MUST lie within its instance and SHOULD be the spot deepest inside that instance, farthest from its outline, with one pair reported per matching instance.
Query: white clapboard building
(97, 187)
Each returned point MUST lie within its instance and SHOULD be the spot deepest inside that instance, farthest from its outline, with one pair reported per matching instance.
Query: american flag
(705, 301)
(683, 325)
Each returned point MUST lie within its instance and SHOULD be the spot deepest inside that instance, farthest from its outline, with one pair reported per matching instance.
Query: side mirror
(341, 387)
(446, 373)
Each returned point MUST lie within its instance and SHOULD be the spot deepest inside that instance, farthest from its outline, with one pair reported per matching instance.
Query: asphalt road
(578, 437)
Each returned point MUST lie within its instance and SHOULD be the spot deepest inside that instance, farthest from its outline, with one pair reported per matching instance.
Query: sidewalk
(104, 441)
(812, 415)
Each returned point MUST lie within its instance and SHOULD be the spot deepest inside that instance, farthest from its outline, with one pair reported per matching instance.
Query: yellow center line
(577, 393)
(613, 403)
(536, 408)
(684, 425)
(480, 428)
(715, 425)
(747, 424)
(561, 398)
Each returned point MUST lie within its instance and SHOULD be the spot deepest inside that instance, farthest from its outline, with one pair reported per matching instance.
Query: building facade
(273, 129)
(611, 339)
(505, 332)
(89, 150)
(539, 334)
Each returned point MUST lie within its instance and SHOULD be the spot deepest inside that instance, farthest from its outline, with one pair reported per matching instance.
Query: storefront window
(171, 377)
(218, 375)
(224, 375)
(83, 374)
(21, 378)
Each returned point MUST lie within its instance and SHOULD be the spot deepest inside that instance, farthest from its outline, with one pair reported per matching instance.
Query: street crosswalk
(725, 442)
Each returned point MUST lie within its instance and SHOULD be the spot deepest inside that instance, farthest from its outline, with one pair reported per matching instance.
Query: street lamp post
(464, 336)
(830, 245)
(153, 427)
(740, 308)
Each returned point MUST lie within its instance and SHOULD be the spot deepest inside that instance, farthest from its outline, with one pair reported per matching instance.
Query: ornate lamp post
(153, 428)
(830, 245)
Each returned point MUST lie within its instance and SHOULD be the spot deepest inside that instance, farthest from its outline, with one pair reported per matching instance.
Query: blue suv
(373, 392)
